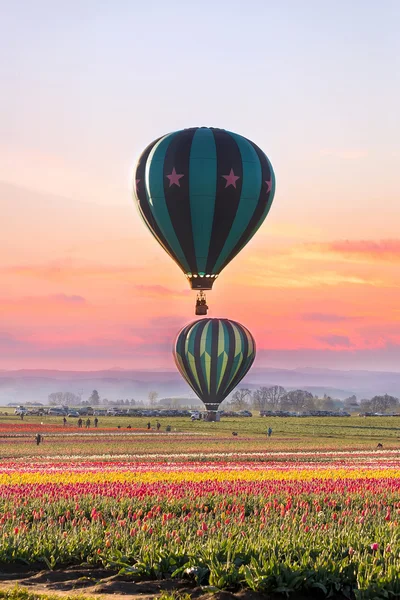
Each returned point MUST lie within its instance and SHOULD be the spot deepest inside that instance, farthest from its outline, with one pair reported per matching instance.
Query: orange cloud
(336, 341)
(327, 317)
(62, 270)
(161, 291)
(376, 250)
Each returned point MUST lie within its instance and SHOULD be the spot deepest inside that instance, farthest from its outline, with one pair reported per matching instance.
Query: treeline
(265, 398)
(276, 398)
(71, 399)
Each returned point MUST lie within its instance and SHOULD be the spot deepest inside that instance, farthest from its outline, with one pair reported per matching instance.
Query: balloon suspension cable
(201, 304)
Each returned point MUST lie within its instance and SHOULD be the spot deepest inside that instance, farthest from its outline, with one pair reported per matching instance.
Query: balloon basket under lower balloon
(201, 304)
(212, 416)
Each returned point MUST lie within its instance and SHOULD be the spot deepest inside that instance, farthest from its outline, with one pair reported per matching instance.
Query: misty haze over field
(35, 385)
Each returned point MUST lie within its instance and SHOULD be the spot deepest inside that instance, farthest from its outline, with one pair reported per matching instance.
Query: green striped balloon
(203, 193)
(214, 355)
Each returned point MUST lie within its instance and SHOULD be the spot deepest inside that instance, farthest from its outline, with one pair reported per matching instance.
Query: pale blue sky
(85, 85)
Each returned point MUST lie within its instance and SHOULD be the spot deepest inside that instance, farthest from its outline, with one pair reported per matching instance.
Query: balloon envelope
(213, 355)
(203, 193)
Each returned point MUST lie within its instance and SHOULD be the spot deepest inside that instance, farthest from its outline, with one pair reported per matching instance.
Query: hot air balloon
(213, 355)
(203, 193)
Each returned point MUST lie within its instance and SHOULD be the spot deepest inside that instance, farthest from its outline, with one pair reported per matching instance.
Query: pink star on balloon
(174, 178)
(269, 185)
(137, 184)
(231, 179)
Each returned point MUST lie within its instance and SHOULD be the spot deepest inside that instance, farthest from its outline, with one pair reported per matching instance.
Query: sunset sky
(87, 84)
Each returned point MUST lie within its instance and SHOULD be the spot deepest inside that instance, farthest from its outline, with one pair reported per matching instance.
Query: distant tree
(268, 398)
(55, 398)
(325, 403)
(153, 398)
(351, 403)
(298, 400)
(240, 397)
(94, 398)
(66, 398)
(70, 399)
(365, 405)
(132, 402)
(381, 404)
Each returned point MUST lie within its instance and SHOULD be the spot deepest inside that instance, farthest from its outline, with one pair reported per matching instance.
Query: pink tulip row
(55, 466)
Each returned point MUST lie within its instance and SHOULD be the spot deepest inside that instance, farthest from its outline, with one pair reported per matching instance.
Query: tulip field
(319, 522)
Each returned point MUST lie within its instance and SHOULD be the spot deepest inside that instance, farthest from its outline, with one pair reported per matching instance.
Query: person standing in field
(64, 421)
(38, 438)
(96, 422)
(88, 423)
(80, 423)
(269, 432)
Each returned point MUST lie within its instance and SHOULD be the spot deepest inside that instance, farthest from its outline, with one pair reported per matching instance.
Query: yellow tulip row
(67, 477)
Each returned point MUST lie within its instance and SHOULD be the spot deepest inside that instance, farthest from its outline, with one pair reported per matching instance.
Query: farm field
(200, 438)
(311, 512)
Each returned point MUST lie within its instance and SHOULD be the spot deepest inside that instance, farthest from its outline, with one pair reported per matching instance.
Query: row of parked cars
(233, 413)
(85, 411)
(308, 413)
(55, 412)
(371, 414)
(136, 412)
(65, 411)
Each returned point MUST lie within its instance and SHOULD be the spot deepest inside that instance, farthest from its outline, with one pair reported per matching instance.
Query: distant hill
(35, 385)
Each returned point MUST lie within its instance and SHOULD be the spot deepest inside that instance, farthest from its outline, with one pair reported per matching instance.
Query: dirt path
(87, 582)
(101, 583)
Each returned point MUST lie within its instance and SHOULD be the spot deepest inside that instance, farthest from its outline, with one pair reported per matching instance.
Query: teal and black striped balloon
(214, 355)
(203, 193)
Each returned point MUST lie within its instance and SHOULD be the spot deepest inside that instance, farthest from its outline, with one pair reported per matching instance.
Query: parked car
(245, 413)
(195, 416)
(73, 413)
(86, 411)
(20, 411)
(57, 412)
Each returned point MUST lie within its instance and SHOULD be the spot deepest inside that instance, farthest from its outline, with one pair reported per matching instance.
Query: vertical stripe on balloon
(154, 179)
(202, 189)
(176, 192)
(214, 343)
(230, 345)
(143, 205)
(249, 197)
(263, 205)
(182, 361)
(229, 188)
(199, 328)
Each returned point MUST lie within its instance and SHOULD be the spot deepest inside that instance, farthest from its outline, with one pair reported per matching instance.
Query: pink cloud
(335, 340)
(60, 270)
(382, 249)
(160, 290)
(68, 299)
(326, 317)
